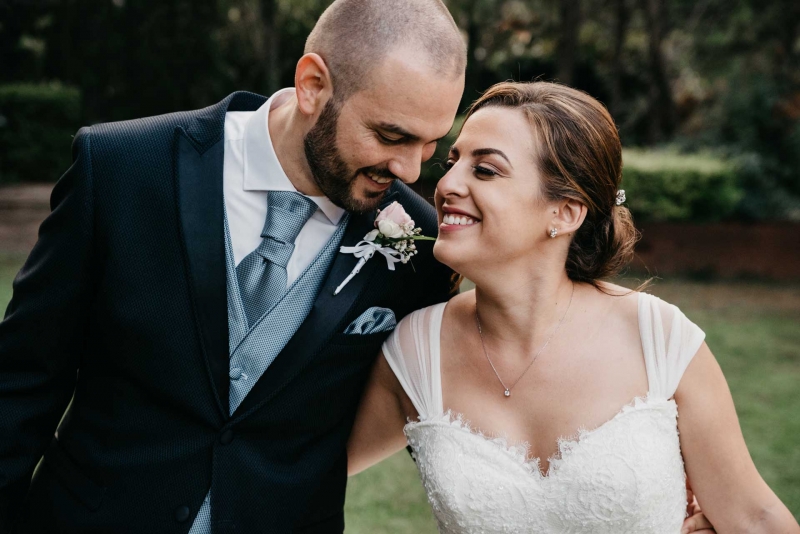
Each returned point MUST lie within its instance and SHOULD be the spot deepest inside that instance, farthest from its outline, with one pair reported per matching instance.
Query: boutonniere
(394, 237)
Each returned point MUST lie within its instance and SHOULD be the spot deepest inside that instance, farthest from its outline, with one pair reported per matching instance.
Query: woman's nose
(452, 183)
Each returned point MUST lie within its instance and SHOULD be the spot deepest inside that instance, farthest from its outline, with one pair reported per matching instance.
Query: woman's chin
(451, 254)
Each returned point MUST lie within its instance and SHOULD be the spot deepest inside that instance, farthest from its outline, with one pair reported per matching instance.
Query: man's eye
(389, 140)
(483, 171)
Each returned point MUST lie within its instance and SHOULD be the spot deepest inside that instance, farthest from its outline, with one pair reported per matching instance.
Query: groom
(181, 293)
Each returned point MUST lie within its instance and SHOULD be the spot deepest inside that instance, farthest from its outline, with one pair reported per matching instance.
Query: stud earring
(553, 232)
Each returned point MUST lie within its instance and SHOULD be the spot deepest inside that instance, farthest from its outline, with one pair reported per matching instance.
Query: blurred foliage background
(719, 79)
(706, 94)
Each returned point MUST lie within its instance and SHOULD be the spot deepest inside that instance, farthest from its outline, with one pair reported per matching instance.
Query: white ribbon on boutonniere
(394, 237)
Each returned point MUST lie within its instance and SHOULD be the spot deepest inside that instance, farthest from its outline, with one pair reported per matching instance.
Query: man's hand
(696, 522)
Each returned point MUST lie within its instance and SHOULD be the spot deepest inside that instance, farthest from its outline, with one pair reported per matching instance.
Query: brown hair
(580, 157)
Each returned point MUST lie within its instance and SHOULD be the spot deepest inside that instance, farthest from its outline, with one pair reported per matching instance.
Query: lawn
(753, 329)
(9, 265)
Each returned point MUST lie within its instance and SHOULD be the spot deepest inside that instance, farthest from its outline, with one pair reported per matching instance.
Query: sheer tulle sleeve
(413, 354)
(669, 340)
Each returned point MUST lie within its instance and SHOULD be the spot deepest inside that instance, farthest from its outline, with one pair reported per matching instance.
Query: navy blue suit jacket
(121, 308)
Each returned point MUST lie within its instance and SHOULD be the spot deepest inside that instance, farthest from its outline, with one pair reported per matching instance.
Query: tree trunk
(272, 72)
(473, 74)
(621, 18)
(570, 16)
(662, 107)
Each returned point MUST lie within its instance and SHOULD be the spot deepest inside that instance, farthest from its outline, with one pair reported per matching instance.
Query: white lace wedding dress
(627, 476)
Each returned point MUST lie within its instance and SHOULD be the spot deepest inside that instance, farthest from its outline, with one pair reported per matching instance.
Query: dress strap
(413, 353)
(669, 342)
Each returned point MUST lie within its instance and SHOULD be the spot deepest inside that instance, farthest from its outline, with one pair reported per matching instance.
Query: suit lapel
(199, 154)
(325, 318)
(200, 207)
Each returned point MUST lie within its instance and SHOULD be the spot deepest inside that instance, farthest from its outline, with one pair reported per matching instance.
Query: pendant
(507, 393)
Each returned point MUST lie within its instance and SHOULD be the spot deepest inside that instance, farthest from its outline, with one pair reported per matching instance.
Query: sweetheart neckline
(519, 450)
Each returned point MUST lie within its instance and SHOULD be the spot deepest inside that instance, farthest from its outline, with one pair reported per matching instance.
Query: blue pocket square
(372, 321)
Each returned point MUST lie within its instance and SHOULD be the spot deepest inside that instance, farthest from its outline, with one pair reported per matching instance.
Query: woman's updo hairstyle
(580, 157)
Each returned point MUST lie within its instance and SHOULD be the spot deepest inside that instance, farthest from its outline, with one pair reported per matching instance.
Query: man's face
(382, 133)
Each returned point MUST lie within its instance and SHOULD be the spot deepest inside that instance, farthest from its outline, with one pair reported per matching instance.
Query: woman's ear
(313, 84)
(568, 216)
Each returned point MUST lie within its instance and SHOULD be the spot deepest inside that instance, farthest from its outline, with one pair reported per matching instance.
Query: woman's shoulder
(668, 339)
(422, 316)
(633, 304)
(412, 335)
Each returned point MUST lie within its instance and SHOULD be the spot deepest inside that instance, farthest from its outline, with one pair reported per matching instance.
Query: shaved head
(353, 36)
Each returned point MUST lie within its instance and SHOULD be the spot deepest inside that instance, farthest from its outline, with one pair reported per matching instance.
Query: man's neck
(287, 129)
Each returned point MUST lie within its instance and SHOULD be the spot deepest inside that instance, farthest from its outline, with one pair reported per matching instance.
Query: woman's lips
(454, 219)
(449, 210)
(456, 223)
(459, 220)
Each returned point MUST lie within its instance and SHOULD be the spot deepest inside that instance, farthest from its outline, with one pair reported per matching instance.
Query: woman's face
(491, 211)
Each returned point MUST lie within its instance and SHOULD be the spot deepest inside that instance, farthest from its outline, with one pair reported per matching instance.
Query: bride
(547, 400)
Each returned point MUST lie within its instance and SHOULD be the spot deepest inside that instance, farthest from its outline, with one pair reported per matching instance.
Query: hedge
(37, 124)
(663, 185)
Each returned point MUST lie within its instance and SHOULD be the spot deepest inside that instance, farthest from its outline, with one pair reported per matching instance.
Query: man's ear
(568, 216)
(313, 84)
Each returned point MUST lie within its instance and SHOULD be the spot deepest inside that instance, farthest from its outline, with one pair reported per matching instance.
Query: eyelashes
(478, 170)
(483, 171)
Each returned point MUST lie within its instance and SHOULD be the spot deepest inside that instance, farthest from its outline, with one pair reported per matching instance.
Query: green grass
(388, 499)
(9, 266)
(754, 331)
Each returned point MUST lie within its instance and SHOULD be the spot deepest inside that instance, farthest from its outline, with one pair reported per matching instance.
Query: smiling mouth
(381, 180)
(459, 220)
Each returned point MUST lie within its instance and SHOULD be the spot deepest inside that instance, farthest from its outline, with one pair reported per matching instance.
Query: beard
(330, 171)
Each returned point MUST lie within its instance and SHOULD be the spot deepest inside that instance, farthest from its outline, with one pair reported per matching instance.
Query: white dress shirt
(251, 169)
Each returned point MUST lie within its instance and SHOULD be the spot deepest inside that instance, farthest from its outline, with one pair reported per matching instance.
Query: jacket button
(226, 437)
(182, 513)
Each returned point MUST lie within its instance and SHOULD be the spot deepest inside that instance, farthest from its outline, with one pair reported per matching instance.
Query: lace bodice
(626, 476)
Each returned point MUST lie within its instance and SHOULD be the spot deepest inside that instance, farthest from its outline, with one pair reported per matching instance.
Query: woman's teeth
(379, 179)
(458, 219)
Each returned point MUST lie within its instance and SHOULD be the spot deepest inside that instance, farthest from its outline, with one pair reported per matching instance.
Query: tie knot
(287, 213)
(275, 251)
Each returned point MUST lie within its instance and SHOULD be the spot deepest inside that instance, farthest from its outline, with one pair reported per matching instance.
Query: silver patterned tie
(262, 273)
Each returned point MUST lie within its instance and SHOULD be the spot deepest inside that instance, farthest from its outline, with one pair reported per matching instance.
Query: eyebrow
(485, 152)
(398, 130)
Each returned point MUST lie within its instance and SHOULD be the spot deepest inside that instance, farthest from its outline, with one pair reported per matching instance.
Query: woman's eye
(449, 164)
(483, 171)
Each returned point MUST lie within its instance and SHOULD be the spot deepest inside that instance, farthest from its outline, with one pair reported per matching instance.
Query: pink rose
(394, 212)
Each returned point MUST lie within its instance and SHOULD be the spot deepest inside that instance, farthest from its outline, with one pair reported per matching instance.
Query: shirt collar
(262, 170)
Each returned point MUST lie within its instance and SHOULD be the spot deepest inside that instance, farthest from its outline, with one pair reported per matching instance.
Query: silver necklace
(507, 389)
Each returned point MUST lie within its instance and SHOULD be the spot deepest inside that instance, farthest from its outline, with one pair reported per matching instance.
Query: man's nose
(407, 165)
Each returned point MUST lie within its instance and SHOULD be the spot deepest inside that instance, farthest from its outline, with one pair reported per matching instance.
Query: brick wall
(727, 250)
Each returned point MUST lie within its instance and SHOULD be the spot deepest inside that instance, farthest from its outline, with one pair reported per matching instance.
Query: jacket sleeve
(41, 337)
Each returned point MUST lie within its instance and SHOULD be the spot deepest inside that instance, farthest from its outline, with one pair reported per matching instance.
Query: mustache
(381, 172)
